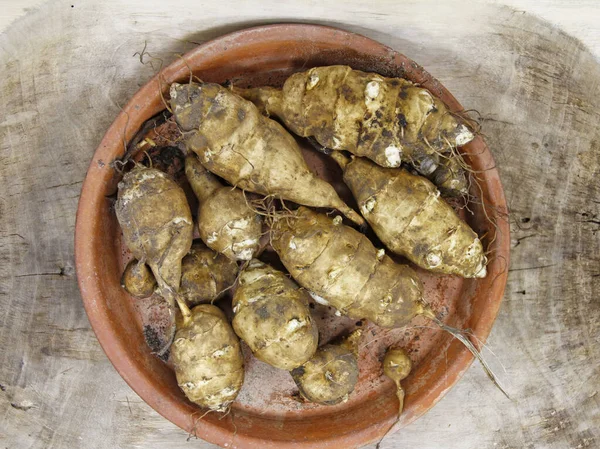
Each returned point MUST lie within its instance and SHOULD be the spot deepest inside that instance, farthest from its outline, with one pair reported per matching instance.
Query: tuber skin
(205, 275)
(226, 222)
(234, 141)
(340, 267)
(273, 318)
(138, 280)
(157, 224)
(329, 377)
(397, 366)
(450, 176)
(207, 357)
(388, 120)
(408, 215)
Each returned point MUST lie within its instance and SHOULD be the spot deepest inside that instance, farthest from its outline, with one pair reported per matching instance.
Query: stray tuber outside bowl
(266, 414)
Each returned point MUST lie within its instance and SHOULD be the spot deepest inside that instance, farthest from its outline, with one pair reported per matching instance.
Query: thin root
(235, 429)
(461, 336)
(151, 60)
(193, 432)
(474, 124)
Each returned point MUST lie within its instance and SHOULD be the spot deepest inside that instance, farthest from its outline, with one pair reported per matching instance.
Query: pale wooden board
(67, 71)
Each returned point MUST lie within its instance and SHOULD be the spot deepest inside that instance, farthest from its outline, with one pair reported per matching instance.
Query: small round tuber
(397, 366)
(331, 374)
(205, 275)
(138, 280)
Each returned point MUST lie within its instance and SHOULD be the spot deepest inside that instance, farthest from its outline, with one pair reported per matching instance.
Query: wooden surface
(67, 68)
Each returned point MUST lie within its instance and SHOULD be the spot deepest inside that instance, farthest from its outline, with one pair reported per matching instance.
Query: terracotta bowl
(266, 414)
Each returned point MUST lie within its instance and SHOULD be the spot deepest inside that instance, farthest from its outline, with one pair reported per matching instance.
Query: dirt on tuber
(273, 318)
(205, 275)
(329, 377)
(157, 224)
(252, 152)
(226, 222)
(208, 360)
(138, 280)
(411, 219)
(340, 267)
(388, 120)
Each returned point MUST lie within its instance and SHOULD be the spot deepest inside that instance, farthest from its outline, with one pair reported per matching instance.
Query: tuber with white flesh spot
(234, 141)
(388, 120)
(226, 222)
(341, 267)
(408, 215)
(207, 357)
(330, 376)
(273, 318)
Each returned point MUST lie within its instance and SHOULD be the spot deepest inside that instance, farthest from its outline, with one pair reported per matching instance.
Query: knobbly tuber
(234, 141)
(205, 275)
(208, 360)
(331, 374)
(157, 224)
(387, 120)
(226, 222)
(138, 280)
(339, 266)
(408, 215)
(397, 366)
(273, 318)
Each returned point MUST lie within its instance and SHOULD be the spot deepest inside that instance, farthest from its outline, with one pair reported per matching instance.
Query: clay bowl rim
(145, 104)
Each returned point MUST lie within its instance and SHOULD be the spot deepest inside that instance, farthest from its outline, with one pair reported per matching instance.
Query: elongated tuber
(226, 222)
(234, 141)
(273, 318)
(330, 376)
(387, 120)
(408, 215)
(340, 266)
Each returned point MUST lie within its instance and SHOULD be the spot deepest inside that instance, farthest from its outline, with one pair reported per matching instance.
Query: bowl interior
(267, 413)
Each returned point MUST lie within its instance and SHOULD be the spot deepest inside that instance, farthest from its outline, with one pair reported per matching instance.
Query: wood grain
(68, 70)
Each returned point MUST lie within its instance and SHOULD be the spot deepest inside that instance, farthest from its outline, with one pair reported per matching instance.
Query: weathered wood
(66, 71)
